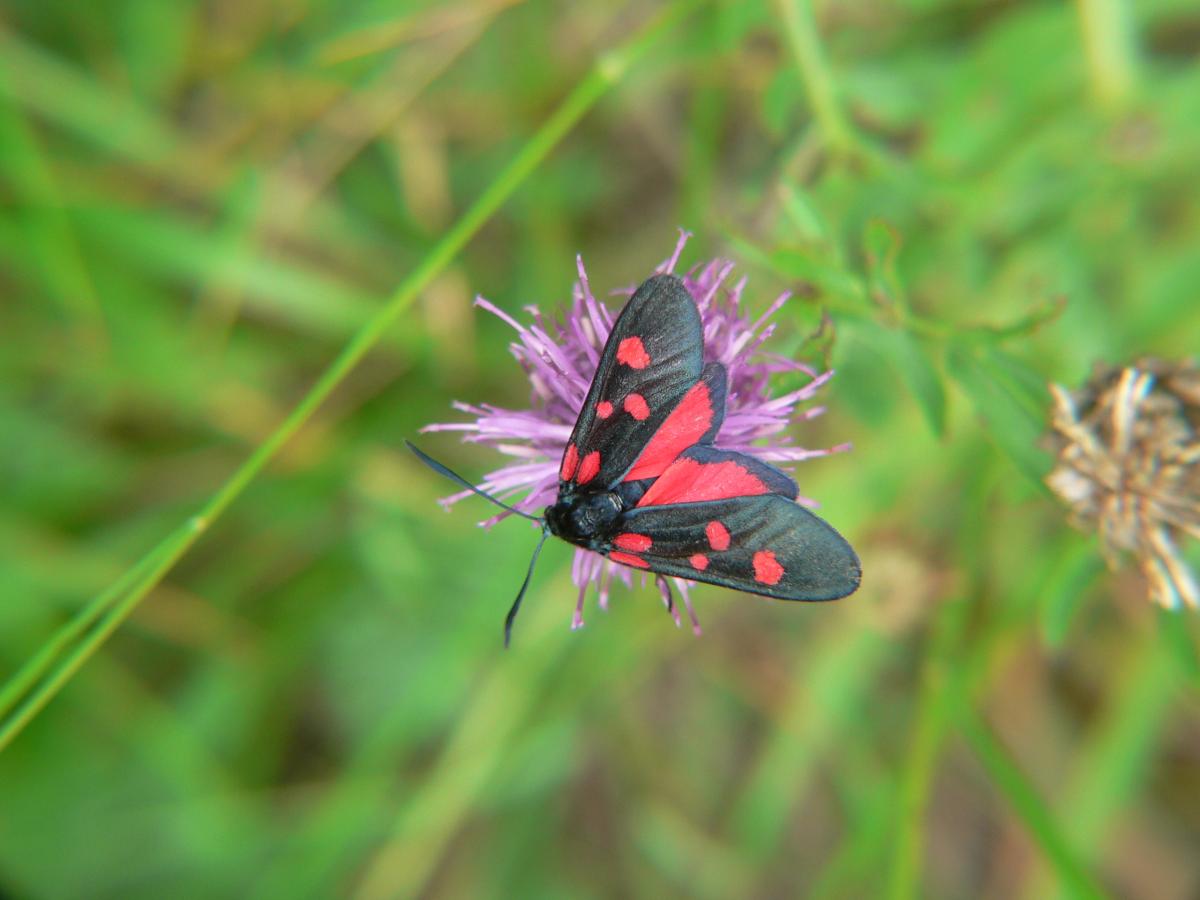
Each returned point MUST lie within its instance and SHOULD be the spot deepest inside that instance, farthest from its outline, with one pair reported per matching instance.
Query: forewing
(653, 357)
(701, 473)
(765, 544)
(695, 420)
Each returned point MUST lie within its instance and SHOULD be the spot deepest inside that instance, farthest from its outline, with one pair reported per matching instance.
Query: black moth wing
(661, 361)
(809, 558)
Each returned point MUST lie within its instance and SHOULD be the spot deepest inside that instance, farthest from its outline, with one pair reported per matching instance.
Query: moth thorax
(581, 517)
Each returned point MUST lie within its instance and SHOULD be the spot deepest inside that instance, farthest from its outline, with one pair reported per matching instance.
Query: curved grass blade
(1029, 807)
(40, 680)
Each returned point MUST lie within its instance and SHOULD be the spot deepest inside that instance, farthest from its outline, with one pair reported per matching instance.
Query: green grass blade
(50, 240)
(57, 668)
(933, 711)
(36, 668)
(828, 699)
(1110, 46)
(62, 656)
(800, 29)
(1113, 766)
(84, 105)
(1039, 821)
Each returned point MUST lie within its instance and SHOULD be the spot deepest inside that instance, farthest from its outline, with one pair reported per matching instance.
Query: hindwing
(765, 544)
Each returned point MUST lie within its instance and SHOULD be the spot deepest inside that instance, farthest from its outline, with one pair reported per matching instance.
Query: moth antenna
(512, 613)
(455, 477)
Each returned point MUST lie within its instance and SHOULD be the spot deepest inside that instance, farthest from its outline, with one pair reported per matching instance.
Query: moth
(641, 482)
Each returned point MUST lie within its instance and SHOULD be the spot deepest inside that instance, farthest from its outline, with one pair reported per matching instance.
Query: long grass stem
(39, 681)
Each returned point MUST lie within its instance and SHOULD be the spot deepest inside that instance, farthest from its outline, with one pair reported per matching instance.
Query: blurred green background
(200, 202)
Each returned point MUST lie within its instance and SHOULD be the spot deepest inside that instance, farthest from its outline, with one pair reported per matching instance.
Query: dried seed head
(1128, 446)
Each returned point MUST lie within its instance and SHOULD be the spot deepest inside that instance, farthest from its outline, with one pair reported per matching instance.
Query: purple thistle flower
(560, 358)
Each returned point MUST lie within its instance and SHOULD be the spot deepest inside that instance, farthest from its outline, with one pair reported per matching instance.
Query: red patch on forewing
(569, 462)
(683, 427)
(699, 561)
(604, 409)
(588, 468)
(628, 559)
(767, 569)
(635, 405)
(689, 481)
(718, 535)
(638, 543)
(632, 352)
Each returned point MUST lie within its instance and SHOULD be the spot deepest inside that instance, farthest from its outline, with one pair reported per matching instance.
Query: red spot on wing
(569, 462)
(718, 535)
(635, 405)
(588, 468)
(604, 409)
(632, 352)
(638, 543)
(683, 427)
(628, 559)
(767, 569)
(689, 481)
(699, 561)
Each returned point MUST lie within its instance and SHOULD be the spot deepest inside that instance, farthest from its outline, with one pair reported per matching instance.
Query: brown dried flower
(1128, 447)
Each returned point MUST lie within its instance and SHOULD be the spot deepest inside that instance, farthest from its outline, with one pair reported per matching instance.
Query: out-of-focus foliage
(201, 201)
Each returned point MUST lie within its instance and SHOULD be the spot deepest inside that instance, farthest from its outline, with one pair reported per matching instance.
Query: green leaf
(1062, 596)
(881, 243)
(913, 363)
(822, 271)
(923, 379)
(1179, 633)
(803, 215)
(1004, 402)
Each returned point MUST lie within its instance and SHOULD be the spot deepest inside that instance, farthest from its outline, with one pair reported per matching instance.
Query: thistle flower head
(559, 356)
(1128, 447)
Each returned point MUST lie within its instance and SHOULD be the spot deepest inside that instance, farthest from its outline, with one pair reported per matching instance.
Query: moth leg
(664, 588)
